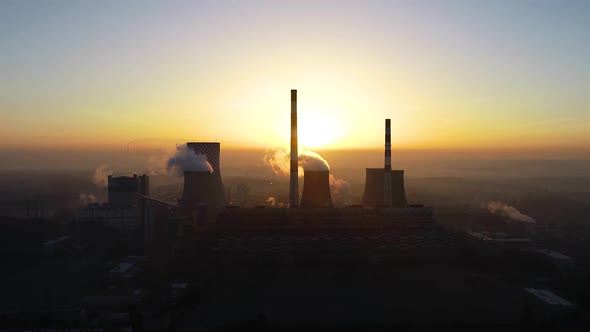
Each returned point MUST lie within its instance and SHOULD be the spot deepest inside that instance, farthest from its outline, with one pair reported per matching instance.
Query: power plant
(384, 189)
(306, 248)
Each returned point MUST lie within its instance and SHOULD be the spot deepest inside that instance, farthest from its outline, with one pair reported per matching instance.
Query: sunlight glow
(318, 127)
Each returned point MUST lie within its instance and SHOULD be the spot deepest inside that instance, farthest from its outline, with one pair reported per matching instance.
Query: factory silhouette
(204, 202)
(200, 260)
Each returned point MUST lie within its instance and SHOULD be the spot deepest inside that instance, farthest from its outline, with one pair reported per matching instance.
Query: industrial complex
(201, 260)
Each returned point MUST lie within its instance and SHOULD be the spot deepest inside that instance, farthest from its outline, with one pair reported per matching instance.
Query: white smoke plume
(187, 160)
(340, 191)
(504, 210)
(86, 199)
(270, 201)
(278, 161)
(311, 161)
(101, 176)
(157, 164)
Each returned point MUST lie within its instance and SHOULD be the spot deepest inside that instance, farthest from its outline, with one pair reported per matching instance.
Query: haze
(471, 79)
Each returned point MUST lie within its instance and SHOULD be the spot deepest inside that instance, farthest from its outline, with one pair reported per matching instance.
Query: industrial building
(124, 209)
(123, 189)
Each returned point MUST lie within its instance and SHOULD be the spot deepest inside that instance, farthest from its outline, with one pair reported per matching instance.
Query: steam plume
(340, 191)
(270, 201)
(101, 176)
(187, 160)
(311, 161)
(278, 161)
(86, 199)
(504, 210)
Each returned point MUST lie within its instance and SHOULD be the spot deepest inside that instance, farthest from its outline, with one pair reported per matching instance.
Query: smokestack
(388, 144)
(387, 196)
(294, 169)
(316, 190)
(212, 151)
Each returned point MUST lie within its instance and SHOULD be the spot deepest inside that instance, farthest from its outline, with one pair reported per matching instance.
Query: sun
(317, 128)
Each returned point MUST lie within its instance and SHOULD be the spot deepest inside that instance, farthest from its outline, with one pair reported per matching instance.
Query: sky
(472, 75)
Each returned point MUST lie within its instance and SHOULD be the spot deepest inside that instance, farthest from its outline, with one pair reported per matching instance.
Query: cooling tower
(212, 151)
(374, 194)
(316, 190)
(398, 189)
(198, 189)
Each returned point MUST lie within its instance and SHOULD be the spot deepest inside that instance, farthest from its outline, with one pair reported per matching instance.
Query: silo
(212, 151)
(316, 190)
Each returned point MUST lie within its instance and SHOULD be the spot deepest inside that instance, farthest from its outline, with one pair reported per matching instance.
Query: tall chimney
(387, 176)
(294, 170)
(387, 144)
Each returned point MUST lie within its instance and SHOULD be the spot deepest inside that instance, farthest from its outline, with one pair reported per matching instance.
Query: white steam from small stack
(187, 160)
(340, 191)
(101, 176)
(508, 211)
(271, 201)
(86, 199)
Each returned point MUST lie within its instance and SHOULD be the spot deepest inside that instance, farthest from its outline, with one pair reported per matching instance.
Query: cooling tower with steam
(212, 151)
(316, 189)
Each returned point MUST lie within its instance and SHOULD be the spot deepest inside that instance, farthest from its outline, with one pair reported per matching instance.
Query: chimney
(212, 151)
(387, 195)
(387, 144)
(316, 190)
(294, 169)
